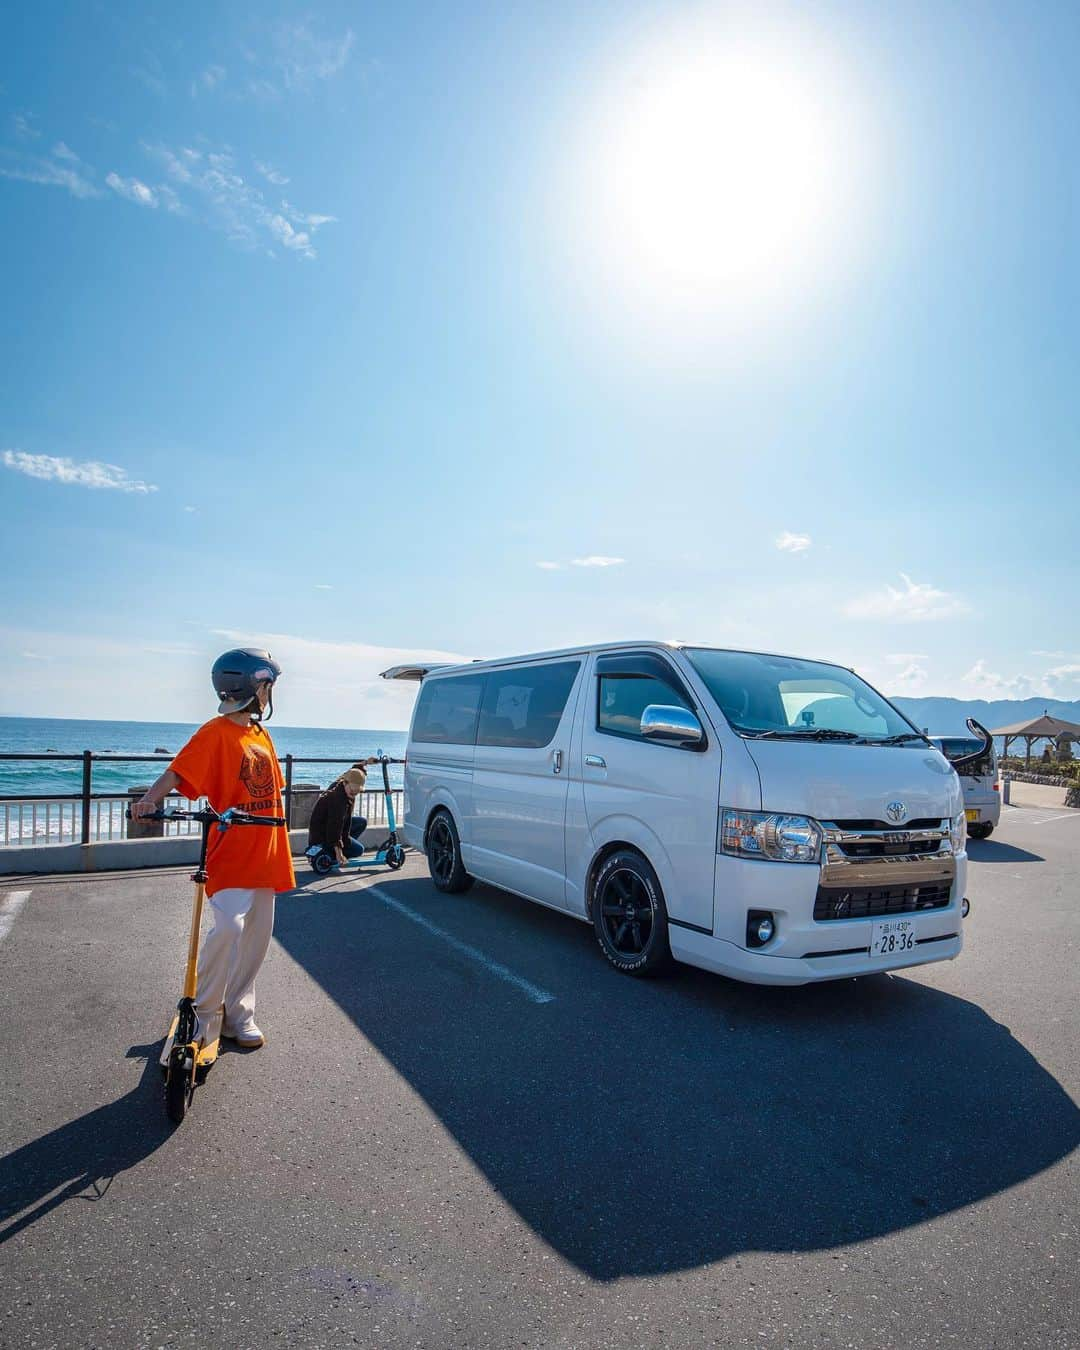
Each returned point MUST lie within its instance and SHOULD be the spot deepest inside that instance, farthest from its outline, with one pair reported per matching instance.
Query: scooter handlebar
(210, 817)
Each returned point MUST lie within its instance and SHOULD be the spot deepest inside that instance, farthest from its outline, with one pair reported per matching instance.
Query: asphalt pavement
(467, 1130)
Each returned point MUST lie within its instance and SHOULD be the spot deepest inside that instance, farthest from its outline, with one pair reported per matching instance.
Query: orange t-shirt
(232, 765)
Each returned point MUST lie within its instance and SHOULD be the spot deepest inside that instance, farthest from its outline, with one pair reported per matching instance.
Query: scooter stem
(193, 941)
(199, 878)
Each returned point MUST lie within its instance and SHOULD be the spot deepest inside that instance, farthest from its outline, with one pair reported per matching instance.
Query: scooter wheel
(395, 857)
(321, 864)
(179, 1085)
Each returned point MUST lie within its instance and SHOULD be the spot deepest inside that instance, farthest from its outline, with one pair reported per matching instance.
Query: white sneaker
(248, 1037)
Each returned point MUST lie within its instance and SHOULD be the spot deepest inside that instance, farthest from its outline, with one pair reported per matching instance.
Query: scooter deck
(205, 1055)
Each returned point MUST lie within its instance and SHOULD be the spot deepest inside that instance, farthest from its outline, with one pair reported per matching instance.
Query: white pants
(232, 952)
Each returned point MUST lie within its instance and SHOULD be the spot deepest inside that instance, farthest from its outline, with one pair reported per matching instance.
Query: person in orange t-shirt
(231, 761)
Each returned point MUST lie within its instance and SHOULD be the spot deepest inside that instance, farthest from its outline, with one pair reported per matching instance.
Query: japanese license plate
(893, 937)
(972, 815)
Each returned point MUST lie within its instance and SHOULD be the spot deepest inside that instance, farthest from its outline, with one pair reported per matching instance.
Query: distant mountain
(947, 716)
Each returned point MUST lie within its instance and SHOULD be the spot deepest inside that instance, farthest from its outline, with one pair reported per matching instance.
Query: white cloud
(22, 124)
(597, 560)
(916, 602)
(208, 80)
(46, 172)
(300, 57)
(323, 586)
(89, 473)
(62, 151)
(133, 189)
(905, 658)
(550, 566)
(793, 543)
(912, 678)
(191, 509)
(210, 186)
(271, 174)
(297, 240)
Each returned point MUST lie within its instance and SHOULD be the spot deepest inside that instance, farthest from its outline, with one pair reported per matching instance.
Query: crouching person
(333, 830)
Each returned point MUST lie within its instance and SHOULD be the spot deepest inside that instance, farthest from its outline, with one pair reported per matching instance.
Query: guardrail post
(87, 771)
(288, 791)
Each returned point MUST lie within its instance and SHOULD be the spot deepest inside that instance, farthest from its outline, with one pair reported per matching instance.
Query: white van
(768, 818)
(978, 780)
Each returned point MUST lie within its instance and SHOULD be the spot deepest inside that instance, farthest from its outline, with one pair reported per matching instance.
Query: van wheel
(444, 855)
(629, 915)
(982, 830)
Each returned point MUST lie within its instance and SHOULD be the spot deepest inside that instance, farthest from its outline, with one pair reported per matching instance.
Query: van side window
(622, 700)
(447, 710)
(523, 706)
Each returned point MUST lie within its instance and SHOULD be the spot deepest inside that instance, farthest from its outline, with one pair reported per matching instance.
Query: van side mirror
(671, 725)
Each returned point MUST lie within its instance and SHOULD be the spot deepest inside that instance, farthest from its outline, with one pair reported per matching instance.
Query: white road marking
(533, 992)
(10, 905)
(1068, 815)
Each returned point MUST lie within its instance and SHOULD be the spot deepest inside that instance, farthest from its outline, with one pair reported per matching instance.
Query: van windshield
(782, 697)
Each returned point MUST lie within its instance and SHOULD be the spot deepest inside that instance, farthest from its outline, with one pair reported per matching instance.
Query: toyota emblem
(896, 811)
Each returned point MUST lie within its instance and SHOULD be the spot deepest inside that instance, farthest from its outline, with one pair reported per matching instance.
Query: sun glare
(718, 169)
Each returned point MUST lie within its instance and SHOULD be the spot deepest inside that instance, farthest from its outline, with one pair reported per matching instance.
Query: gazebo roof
(1041, 726)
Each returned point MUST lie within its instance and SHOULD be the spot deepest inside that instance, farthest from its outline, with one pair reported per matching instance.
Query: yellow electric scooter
(184, 1059)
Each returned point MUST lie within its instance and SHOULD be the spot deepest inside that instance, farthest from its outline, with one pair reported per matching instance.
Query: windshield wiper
(899, 739)
(804, 734)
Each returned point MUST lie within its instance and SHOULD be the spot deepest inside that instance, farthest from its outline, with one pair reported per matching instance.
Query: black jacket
(330, 819)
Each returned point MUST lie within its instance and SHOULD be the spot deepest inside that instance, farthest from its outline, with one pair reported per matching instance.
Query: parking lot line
(1066, 815)
(10, 905)
(533, 992)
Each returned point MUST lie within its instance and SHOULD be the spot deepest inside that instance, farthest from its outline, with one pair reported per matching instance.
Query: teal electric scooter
(391, 854)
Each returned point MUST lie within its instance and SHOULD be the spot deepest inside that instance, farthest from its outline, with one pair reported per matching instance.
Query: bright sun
(718, 168)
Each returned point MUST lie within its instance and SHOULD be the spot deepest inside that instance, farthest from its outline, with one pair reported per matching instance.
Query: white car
(769, 818)
(978, 781)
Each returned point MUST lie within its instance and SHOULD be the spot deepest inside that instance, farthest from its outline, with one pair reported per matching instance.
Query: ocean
(71, 736)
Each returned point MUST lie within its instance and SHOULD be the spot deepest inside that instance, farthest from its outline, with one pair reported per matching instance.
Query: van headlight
(763, 834)
(958, 832)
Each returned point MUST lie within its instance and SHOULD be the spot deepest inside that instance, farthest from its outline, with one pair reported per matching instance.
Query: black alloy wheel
(444, 855)
(629, 916)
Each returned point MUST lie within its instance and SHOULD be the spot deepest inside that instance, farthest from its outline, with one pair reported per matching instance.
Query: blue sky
(368, 331)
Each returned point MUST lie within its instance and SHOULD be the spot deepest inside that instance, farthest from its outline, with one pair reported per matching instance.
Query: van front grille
(864, 902)
(886, 848)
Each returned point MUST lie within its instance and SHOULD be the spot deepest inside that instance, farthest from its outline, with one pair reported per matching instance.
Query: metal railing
(86, 816)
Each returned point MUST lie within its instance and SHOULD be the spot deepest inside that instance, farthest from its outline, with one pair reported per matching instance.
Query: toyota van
(765, 817)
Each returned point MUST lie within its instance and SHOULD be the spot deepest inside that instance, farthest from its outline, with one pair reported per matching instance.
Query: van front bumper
(806, 949)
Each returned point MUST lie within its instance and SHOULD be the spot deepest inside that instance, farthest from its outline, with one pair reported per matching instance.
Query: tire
(179, 1085)
(395, 857)
(443, 850)
(629, 915)
(980, 830)
(321, 864)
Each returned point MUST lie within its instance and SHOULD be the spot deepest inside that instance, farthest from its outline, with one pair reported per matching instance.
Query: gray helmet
(237, 675)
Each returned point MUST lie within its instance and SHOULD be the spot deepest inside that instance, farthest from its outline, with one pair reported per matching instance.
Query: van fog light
(760, 928)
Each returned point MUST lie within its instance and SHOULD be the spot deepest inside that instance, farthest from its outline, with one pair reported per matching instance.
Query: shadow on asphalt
(80, 1159)
(992, 851)
(649, 1126)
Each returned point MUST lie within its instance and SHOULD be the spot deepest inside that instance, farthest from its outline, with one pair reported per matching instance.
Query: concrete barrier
(122, 855)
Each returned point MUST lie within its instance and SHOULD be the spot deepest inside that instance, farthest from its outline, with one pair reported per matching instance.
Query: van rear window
(447, 710)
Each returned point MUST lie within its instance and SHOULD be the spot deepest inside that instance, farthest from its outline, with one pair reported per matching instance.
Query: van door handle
(556, 762)
(595, 762)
